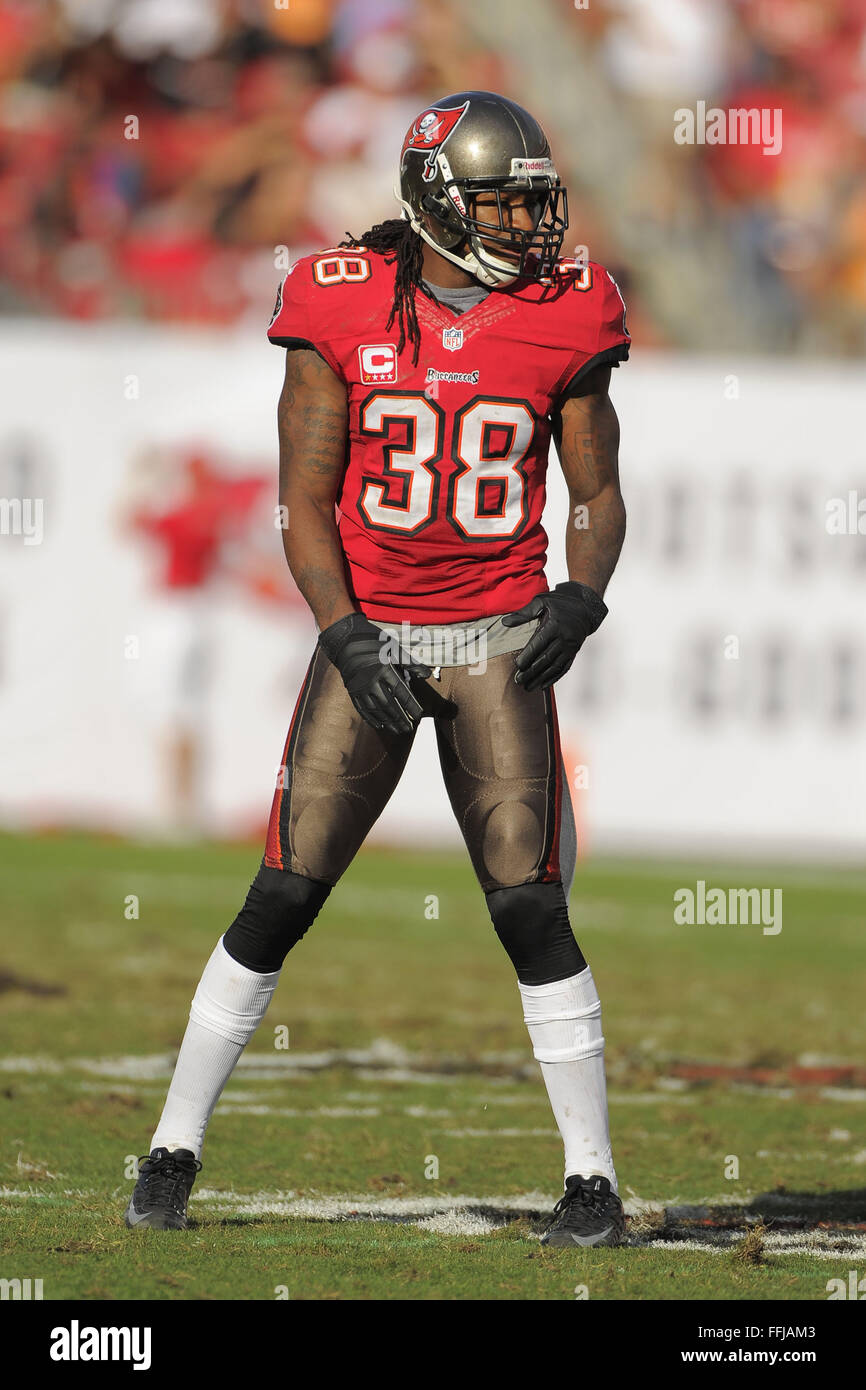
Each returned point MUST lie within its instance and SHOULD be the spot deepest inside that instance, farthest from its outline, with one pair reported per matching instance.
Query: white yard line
(498, 1133)
(333, 1208)
(381, 1054)
(648, 1098)
(385, 1061)
(821, 1245)
(459, 1223)
(329, 1112)
(481, 1215)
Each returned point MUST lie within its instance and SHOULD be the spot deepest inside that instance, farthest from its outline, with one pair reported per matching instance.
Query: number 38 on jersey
(488, 441)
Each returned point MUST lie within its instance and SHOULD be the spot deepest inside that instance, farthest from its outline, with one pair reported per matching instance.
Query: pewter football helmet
(478, 142)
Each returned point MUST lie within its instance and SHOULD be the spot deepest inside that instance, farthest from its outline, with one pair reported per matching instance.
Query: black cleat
(165, 1179)
(589, 1214)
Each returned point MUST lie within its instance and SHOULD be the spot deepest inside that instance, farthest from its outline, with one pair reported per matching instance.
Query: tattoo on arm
(312, 418)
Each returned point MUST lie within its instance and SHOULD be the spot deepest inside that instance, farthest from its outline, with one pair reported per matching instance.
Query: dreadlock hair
(396, 241)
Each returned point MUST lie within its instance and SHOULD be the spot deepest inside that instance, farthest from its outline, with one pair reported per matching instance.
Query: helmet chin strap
(490, 275)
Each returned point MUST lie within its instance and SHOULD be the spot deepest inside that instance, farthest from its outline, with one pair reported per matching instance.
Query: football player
(428, 366)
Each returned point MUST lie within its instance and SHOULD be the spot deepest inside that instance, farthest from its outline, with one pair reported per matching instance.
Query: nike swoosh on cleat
(133, 1217)
(591, 1240)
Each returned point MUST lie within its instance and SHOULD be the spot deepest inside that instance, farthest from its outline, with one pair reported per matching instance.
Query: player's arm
(586, 431)
(312, 419)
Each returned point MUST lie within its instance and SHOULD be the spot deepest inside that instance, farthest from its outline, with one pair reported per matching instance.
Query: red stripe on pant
(273, 847)
(551, 867)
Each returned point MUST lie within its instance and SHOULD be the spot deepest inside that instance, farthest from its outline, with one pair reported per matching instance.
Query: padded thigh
(336, 777)
(501, 764)
(500, 758)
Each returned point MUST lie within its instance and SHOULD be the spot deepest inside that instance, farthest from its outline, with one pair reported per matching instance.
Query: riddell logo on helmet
(429, 133)
(522, 167)
(378, 362)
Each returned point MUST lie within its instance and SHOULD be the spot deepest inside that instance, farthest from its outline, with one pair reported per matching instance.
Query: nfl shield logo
(452, 338)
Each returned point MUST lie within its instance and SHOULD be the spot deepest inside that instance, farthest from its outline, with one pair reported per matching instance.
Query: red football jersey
(441, 501)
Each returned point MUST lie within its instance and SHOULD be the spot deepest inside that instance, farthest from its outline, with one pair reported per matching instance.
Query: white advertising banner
(720, 708)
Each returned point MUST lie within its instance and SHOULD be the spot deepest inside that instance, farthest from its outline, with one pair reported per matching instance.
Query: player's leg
(336, 776)
(502, 765)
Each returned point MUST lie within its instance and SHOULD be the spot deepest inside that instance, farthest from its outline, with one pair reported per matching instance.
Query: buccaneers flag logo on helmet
(429, 134)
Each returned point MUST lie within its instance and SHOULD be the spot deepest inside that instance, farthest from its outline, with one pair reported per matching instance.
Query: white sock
(564, 1022)
(226, 1010)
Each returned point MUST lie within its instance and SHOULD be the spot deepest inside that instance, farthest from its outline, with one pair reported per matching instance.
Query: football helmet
(479, 142)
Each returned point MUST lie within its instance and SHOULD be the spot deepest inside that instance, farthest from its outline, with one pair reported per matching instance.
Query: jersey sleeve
(604, 338)
(295, 323)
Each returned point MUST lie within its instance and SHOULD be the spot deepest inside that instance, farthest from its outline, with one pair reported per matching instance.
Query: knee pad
(280, 907)
(531, 921)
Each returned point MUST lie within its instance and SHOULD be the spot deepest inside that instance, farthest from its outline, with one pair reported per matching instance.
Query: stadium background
(160, 160)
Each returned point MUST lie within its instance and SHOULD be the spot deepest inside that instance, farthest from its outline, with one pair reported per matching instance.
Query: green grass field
(736, 1067)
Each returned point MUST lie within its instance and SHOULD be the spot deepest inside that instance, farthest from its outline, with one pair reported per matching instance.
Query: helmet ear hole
(435, 206)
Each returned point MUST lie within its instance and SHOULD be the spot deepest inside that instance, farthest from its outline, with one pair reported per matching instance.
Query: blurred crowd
(796, 221)
(155, 155)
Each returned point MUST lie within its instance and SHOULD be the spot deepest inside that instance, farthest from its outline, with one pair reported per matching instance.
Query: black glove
(570, 612)
(379, 690)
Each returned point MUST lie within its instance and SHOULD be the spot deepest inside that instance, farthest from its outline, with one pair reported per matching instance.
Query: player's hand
(377, 689)
(569, 614)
